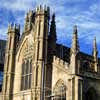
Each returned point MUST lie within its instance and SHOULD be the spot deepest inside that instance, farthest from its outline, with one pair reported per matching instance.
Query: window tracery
(26, 77)
(27, 58)
(59, 91)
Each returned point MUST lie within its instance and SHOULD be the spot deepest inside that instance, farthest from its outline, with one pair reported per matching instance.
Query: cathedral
(36, 67)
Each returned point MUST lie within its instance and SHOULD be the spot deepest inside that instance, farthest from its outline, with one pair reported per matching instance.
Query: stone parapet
(60, 62)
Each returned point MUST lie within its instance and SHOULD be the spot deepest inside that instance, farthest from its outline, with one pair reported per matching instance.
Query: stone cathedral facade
(37, 68)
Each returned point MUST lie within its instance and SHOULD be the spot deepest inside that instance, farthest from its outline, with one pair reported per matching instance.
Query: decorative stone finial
(42, 8)
(9, 26)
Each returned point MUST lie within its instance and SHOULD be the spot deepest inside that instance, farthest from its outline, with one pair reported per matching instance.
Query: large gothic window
(26, 75)
(60, 92)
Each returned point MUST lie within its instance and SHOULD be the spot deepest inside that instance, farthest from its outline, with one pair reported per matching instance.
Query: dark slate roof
(63, 52)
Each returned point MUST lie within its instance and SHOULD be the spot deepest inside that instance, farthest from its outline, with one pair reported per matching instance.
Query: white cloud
(3, 33)
(67, 16)
(18, 5)
(90, 25)
(95, 8)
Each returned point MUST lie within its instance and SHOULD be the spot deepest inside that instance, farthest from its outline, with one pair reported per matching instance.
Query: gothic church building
(37, 68)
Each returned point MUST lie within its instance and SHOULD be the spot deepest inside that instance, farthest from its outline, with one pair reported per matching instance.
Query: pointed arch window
(60, 92)
(26, 76)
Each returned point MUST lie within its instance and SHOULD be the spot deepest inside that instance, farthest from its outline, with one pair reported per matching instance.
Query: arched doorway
(91, 94)
(59, 91)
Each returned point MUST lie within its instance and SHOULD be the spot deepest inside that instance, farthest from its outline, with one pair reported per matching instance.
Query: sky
(83, 13)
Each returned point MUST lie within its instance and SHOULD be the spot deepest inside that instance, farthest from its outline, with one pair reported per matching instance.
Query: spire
(74, 52)
(95, 54)
(53, 29)
(52, 38)
(75, 43)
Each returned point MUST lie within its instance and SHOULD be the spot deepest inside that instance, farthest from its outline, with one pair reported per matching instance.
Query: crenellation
(42, 9)
(60, 62)
(29, 15)
(66, 65)
(14, 28)
(30, 12)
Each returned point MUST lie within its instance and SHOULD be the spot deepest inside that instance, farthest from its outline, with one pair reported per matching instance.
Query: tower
(42, 28)
(74, 52)
(9, 67)
(95, 55)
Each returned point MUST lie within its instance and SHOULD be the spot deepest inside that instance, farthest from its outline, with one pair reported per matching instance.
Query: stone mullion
(24, 76)
(34, 81)
(29, 67)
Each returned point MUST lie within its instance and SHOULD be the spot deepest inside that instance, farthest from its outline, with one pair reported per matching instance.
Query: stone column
(74, 89)
(78, 88)
(70, 94)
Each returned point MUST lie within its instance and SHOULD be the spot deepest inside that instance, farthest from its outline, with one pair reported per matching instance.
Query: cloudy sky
(83, 13)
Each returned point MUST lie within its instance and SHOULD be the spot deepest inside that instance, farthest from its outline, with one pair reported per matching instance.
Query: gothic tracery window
(60, 92)
(26, 75)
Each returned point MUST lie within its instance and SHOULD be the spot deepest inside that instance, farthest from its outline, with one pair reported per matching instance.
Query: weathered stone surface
(51, 70)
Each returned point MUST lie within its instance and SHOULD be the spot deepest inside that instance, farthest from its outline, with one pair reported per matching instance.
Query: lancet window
(26, 77)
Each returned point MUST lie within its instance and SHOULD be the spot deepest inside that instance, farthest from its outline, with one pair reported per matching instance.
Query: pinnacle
(75, 29)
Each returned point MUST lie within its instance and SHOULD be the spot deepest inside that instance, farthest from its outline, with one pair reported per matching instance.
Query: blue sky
(83, 13)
